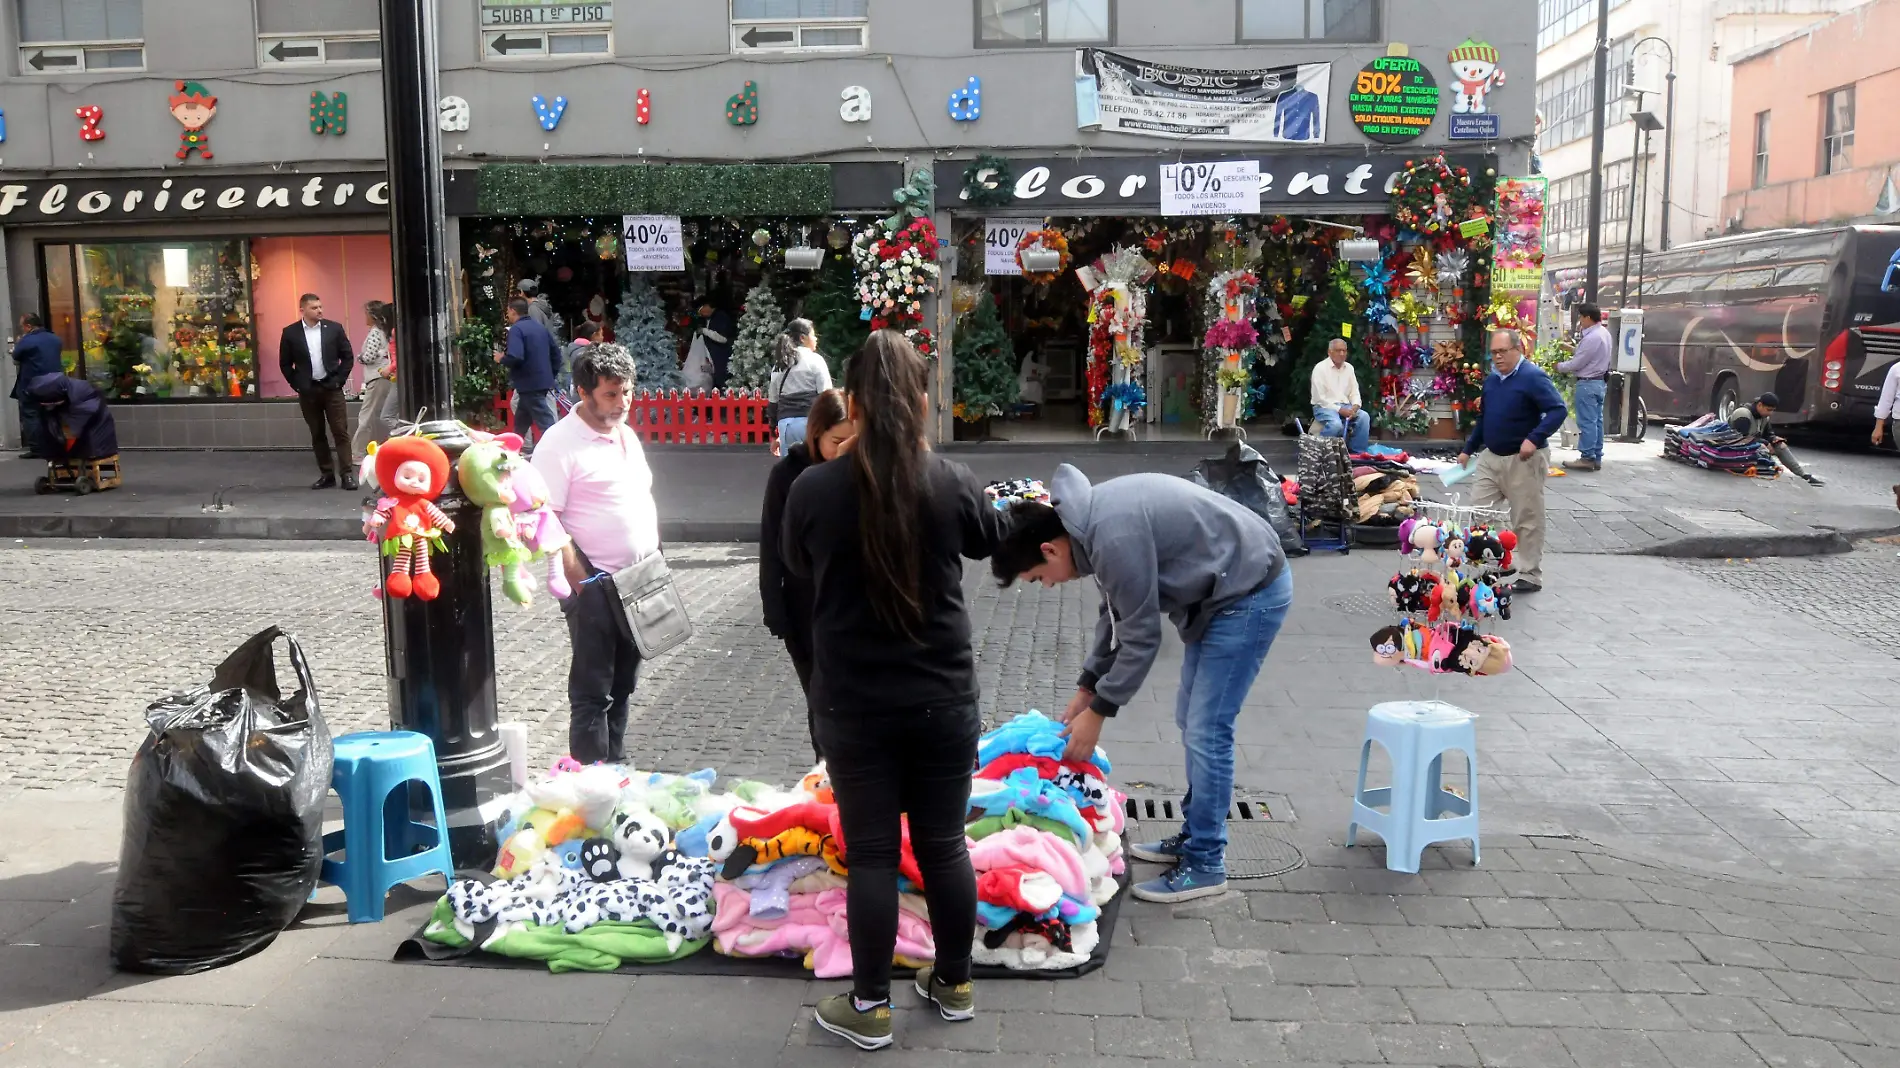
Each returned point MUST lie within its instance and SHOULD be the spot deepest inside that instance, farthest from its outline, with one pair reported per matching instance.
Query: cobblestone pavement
(1686, 860)
(1852, 596)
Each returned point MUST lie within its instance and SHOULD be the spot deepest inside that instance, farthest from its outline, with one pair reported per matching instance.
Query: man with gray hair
(600, 486)
(1521, 409)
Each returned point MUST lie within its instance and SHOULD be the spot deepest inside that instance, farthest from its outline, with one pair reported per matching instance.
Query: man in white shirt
(600, 486)
(1889, 400)
(1337, 409)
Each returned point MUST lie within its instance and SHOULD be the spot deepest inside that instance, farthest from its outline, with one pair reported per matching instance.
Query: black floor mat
(419, 950)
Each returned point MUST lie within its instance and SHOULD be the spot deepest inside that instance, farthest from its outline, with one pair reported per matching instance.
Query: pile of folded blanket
(1716, 446)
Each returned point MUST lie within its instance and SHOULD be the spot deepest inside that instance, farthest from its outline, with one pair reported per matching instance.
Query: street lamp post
(441, 653)
(1600, 104)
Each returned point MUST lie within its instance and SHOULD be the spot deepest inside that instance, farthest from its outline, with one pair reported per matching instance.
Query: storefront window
(155, 320)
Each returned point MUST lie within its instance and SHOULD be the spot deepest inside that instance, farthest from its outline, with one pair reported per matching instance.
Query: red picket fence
(701, 417)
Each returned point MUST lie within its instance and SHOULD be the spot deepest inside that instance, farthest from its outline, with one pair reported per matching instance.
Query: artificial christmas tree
(753, 351)
(833, 308)
(984, 376)
(641, 330)
(1337, 317)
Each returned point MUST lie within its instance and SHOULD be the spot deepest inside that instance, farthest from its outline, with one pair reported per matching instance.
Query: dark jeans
(602, 675)
(919, 762)
(800, 652)
(323, 407)
(30, 428)
(534, 408)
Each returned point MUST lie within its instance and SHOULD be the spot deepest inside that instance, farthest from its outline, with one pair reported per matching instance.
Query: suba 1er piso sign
(653, 243)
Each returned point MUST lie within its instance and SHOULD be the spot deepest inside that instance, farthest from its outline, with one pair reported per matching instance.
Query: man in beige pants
(1520, 411)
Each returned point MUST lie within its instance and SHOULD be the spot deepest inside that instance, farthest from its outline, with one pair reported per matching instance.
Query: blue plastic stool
(381, 845)
(1417, 734)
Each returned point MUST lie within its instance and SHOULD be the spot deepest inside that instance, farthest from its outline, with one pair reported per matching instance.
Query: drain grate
(1166, 808)
(1363, 604)
(1253, 850)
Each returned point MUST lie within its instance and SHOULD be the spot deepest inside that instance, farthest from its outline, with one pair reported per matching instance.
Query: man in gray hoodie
(1160, 545)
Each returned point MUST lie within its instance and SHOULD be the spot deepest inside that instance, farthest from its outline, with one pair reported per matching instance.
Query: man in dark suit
(36, 353)
(315, 356)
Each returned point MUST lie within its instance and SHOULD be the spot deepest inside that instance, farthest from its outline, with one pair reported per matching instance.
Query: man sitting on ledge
(1336, 403)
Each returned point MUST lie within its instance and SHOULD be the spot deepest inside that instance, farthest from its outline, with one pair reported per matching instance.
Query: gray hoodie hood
(1157, 546)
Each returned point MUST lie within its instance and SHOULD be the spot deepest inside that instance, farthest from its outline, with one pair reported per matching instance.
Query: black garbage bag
(1245, 477)
(223, 817)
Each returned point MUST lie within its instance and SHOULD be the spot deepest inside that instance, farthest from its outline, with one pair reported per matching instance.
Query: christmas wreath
(988, 182)
(1051, 240)
(1431, 196)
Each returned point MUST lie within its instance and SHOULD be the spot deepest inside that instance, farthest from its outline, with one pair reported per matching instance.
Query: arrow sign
(505, 44)
(281, 52)
(753, 37)
(41, 60)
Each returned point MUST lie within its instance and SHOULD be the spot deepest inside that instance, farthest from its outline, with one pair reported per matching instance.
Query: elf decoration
(412, 471)
(518, 526)
(194, 108)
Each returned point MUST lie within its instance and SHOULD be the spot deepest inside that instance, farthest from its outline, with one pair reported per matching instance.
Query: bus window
(1804, 275)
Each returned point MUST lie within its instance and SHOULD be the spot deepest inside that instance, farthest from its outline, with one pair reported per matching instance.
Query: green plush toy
(486, 470)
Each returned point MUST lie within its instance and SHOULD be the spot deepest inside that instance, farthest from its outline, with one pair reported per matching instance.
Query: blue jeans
(1332, 426)
(534, 409)
(1215, 678)
(791, 432)
(1588, 401)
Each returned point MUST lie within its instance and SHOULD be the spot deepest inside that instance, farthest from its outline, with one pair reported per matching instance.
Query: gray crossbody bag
(656, 612)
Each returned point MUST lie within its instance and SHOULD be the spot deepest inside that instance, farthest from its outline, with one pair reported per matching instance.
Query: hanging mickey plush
(413, 471)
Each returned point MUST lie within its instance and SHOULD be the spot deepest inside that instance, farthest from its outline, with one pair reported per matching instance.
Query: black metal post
(1599, 105)
(1669, 143)
(441, 653)
(1629, 226)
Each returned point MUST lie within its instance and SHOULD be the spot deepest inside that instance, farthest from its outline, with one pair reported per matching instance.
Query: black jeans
(30, 425)
(799, 648)
(602, 675)
(918, 762)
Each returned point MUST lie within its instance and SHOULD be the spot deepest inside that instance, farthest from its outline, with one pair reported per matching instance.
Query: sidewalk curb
(262, 528)
(1749, 546)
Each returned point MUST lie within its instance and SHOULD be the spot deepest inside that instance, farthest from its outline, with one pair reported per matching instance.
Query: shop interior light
(804, 259)
(1359, 250)
(177, 268)
(1041, 260)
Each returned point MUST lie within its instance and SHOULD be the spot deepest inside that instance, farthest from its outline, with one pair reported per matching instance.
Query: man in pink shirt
(600, 486)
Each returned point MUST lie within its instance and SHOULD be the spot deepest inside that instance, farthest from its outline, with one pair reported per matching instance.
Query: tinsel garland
(672, 189)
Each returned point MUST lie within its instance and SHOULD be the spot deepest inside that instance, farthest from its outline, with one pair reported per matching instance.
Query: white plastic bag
(698, 370)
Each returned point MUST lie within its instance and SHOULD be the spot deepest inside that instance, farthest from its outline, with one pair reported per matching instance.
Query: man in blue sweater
(1520, 411)
(533, 360)
(37, 353)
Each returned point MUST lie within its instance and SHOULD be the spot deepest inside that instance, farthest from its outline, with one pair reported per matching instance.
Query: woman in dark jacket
(881, 534)
(787, 597)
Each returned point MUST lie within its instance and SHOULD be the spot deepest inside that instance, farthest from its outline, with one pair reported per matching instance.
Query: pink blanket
(814, 928)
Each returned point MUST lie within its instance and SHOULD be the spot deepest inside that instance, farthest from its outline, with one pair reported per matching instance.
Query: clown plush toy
(412, 471)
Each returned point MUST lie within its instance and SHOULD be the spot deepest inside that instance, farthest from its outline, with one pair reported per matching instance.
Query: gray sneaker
(1166, 851)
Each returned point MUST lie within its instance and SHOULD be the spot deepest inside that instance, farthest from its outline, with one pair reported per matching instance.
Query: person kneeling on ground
(1158, 544)
(1754, 420)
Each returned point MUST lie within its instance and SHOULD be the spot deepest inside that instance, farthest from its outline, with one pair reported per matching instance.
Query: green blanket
(600, 948)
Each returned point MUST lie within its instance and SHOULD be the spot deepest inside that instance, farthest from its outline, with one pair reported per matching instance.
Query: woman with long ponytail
(799, 375)
(881, 533)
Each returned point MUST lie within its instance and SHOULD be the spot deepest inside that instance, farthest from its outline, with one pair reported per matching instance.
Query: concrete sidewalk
(1767, 934)
(1639, 503)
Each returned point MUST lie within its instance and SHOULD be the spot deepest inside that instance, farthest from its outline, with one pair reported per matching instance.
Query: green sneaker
(865, 1030)
(955, 1003)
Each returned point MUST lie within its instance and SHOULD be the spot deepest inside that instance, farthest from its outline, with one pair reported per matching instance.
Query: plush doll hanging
(413, 471)
(1425, 538)
(487, 470)
(539, 528)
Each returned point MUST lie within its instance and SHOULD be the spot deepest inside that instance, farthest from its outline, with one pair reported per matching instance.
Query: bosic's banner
(1132, 96)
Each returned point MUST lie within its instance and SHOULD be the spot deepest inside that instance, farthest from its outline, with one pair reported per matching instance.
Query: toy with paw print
(412, 472)
(1464, 582)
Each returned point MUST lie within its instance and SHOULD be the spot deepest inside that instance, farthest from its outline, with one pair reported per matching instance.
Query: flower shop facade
(168, 292)
(1173, 295)
(641, 250)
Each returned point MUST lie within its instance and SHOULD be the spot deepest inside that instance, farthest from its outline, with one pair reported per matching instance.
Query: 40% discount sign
(1231, 187)
(653, 242)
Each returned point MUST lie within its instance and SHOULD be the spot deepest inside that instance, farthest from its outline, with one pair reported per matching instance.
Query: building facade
(1815, 140)
(1705, 35)
(173, 176)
